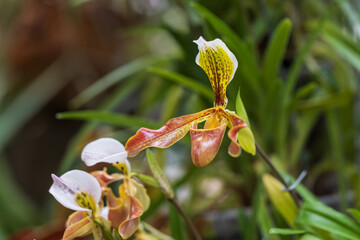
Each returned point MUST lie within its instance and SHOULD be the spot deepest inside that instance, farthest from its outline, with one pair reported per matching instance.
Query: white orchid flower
(106, 150)
(77, 190)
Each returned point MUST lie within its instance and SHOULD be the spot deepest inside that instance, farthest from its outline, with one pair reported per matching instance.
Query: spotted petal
(65, 188)
(106, 150)
(205, 143)
(171, 132)
(237, 124)
(219, 64)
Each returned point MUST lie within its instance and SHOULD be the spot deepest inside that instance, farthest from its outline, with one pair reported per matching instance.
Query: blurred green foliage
(299, 64)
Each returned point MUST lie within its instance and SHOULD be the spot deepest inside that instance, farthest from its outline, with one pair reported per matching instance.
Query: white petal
(105, 212)
(106, 150)
(64, 188)
(201, 42)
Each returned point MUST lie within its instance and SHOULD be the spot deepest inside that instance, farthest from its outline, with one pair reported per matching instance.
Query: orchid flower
(220, 65)
(124, 211)
(79, 191)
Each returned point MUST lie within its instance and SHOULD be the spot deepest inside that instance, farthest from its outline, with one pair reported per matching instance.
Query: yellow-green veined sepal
(282, 201)
(246, 140)
(219, 64)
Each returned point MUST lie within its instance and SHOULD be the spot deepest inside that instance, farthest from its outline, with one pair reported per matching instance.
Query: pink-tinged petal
(205, 143)
(219, 65)
(76, 217)
(119, 208)
(106, 150)
(171, 132)
(129, 226)
(105, 179)
(237, 124)
(65, 188)
(79, 229)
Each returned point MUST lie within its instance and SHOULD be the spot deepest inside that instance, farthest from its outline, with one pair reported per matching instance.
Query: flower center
(122, 167)
(86, 200)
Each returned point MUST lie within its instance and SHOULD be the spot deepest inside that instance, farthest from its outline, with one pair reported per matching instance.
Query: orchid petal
(171, 132)
(65, 188)
(128, 227)
(106, 150)
(237, 124)
(205, 143)
(140, 193)
(104, 178)
(75, 217)
(78, 229)
(219, 65)
(105, 212)
(119, 208)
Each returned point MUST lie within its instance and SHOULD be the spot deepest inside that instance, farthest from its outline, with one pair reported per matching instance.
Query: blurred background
(76, 70)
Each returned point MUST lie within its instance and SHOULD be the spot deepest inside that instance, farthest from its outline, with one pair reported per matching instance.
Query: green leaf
(318, 215)
(247, 141)
(290, 84)
(120, 120)
(240, 109)
(245, 136)
(114, 77)
(105, 233)
(282, 201)
(111, 102)
(176, 224)
(286, 231)
(275, 50)
(159, 175)
(343, 43)
(32, 99)
(328, 101)
(146, 179)
(185, 81)
(355, 213)
(310, 237)
(116, 234)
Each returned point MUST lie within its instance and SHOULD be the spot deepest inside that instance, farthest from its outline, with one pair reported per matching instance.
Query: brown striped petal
(171, 132)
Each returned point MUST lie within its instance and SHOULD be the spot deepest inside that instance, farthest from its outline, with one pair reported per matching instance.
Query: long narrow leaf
(120, 120)
(114, 77)
(275, 50)
(318, 215)
(187, 82)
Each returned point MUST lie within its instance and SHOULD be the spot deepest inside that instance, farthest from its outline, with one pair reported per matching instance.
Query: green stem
(186, 218)
(277, 173)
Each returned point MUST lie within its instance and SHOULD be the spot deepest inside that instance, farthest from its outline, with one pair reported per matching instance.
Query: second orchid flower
(220, 64)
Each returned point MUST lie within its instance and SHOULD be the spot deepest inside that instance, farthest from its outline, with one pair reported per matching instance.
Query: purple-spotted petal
(65, 188)
(106, 150)
(219, 65)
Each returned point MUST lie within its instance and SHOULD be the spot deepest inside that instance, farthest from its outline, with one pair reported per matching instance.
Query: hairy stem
(277, 173)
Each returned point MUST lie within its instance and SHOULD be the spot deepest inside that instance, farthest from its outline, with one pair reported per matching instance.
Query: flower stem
(277, 173)
(185, 217)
